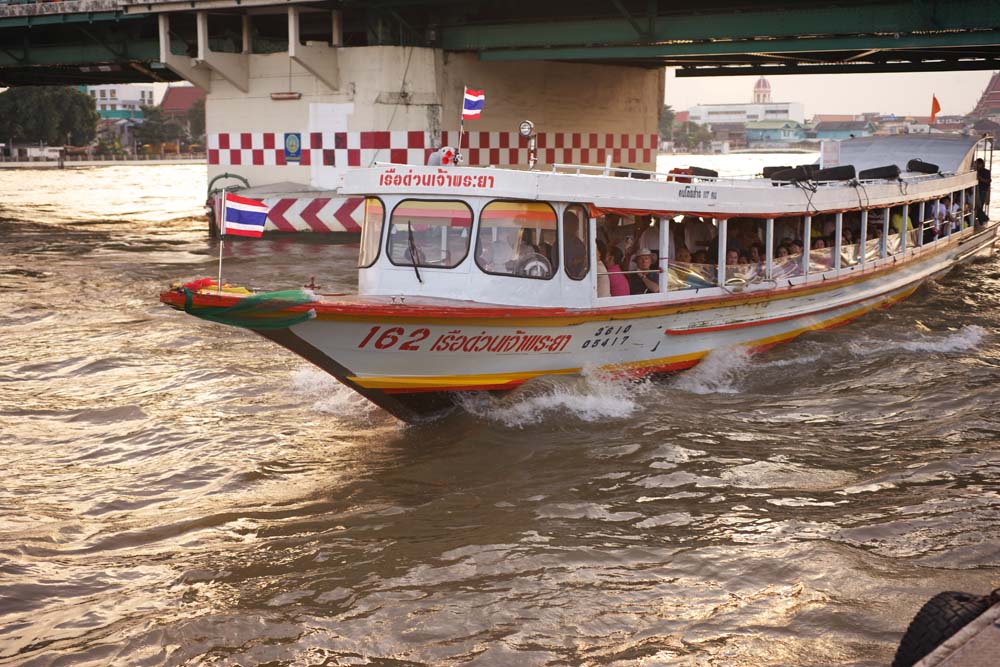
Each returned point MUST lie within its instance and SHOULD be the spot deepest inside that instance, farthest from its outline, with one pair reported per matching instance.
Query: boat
(481, 279)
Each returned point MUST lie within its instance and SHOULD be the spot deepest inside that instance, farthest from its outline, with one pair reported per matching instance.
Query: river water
(175, 492)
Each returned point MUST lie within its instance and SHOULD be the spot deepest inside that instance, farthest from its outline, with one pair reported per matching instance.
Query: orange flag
(935, 108)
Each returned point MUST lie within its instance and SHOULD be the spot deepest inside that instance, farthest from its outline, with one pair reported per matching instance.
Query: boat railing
(754, 180)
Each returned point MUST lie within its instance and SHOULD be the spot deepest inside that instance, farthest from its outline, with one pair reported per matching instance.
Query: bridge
(298, 91)
(94, 41)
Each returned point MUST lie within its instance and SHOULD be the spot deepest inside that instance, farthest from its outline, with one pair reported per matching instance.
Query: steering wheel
(533, 265)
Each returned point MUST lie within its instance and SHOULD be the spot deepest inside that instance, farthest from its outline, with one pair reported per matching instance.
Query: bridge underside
(101, 41)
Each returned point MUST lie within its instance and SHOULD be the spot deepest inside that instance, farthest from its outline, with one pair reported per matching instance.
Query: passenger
(819, 244)
(646, 280)
(683, 255)
(896, 222)
(984, 181)
(700, 257)
(782, 252)
(939, 219)
(618, 281)
(955, 214)
(603, 281)
(576, 257)
(732, 258)
(795, 248)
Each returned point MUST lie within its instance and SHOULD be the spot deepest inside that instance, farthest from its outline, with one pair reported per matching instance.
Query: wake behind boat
(481, 279)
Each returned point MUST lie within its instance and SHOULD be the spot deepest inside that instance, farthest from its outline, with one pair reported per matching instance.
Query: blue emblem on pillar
(293, 146)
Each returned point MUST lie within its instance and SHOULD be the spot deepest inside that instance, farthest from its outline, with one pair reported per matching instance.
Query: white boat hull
(412, 364)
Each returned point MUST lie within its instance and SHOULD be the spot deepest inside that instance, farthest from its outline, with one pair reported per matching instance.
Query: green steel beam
(65, 19)
(990, 63)
(817, 45)
(82, 54)
(849, 18)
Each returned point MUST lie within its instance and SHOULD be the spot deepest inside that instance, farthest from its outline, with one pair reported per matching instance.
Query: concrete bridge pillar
(292, 122)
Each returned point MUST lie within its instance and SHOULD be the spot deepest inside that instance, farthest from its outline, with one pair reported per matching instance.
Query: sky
(902, 94)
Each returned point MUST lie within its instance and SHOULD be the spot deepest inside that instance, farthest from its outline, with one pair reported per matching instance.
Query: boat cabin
(531, 238)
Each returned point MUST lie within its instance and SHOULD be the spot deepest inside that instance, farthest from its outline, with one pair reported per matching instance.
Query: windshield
(436, 232)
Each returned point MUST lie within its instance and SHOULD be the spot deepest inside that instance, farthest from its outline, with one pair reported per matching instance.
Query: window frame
(419, 265)
(479, 231)
(378, 245)
(587, 242)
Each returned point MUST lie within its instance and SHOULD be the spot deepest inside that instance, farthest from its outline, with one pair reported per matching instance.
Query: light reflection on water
(175, 492)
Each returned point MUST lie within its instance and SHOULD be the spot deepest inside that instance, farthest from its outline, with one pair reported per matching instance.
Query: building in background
(121, 100)
(988, 106)
(774, 133)
(760, 109)
(178, 101)
(841, 129)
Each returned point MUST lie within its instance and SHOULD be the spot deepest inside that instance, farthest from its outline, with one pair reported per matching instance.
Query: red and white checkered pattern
(361, 149)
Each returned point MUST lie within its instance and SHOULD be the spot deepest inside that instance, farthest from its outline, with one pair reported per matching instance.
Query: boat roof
(639, 191)
(950, 152)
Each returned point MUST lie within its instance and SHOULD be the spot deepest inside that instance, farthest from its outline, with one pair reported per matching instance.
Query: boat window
(518, 239)
(695, 242)
(822, 237)
(371, 232)
(850, 234)
(576, 242)
(437, 232)
(896, 226)
(876, 234)
(745, 248)
(787, 247)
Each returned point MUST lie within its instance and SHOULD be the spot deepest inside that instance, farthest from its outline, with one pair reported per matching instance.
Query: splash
(717, 373)
(967, 338)
(592, 396)
(336, 399)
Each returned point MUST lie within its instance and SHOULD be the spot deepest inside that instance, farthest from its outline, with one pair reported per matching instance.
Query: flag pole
(461, 124)
(222, 238)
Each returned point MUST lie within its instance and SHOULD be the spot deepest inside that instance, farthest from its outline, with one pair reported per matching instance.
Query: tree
(196, 120)
(667, 123)
(690, 136)
(156, 129)
(53, 115)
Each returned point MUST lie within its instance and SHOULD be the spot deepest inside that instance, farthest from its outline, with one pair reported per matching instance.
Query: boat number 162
(393, 336)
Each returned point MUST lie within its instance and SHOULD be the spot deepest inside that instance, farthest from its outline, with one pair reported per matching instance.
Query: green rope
(258, 311)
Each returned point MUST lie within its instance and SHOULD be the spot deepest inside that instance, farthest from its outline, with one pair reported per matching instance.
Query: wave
(592, 396)
(968, 337)
(718, 373)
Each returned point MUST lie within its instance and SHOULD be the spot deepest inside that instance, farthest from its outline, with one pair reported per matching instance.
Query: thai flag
(473, 104)
(244, 217)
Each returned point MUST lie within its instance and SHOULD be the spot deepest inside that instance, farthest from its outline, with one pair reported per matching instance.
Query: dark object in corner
(939, 619)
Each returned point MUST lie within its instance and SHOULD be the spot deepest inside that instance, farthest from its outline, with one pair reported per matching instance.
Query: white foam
(967, 338)
(336, 399)
(591, 396)
(718, 373)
